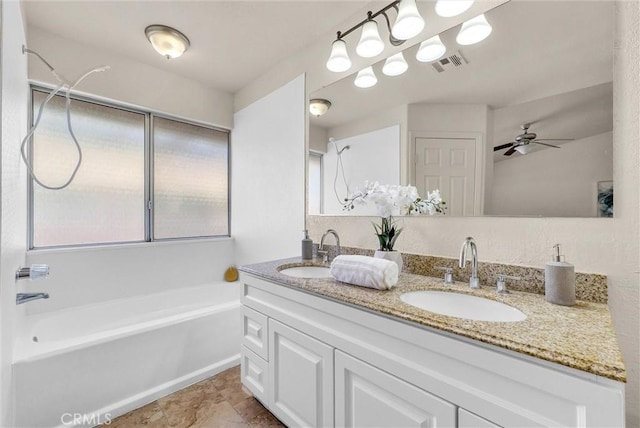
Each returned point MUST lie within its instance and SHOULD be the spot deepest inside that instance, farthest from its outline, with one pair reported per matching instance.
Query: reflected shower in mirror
(519, 124)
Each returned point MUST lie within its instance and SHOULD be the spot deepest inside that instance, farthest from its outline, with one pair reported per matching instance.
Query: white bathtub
(96, 362)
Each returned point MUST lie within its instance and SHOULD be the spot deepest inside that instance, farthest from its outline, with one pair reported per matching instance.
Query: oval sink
(307, 272)
(462, 306)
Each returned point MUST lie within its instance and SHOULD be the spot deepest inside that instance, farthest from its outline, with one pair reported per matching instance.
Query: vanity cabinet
(328, 363)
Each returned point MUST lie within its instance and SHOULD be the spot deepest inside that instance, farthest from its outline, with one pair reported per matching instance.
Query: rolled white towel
(365, 271)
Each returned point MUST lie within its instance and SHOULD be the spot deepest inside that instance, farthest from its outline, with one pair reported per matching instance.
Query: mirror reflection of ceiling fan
(523, 142)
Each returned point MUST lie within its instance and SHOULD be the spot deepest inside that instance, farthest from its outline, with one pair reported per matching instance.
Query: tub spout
(27, 297)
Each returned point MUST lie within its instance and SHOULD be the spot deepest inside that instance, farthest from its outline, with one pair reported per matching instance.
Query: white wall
(373, 156)
(13, 194)
(607, 246)
(318, 138)
(382, 119)
(128, 81)
(552, 182)
(268, 175)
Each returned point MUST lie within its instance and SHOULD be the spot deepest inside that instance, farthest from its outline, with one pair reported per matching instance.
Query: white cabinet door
(368, 397)
(469, 420)
(301, 378)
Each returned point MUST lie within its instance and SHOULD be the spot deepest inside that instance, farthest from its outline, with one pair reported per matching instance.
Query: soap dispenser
(307, 246)
(559, 280)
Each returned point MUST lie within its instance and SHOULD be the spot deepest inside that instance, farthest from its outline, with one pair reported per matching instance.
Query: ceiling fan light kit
(523, 143)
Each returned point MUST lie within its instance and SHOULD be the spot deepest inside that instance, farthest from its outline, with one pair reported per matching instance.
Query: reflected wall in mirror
(480, 123)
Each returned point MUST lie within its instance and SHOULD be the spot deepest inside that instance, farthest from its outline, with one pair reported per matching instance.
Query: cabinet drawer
(254, 332)
(254, 373)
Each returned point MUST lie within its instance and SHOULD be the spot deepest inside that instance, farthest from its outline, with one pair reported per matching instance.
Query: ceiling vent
(452, 61)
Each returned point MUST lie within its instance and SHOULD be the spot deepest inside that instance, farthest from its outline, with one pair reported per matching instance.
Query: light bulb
(409, 23)
(339, 59)
(431, 49)
(395, 65)
(474, 30)
(366, 78)
(370, 43)
(449, 8)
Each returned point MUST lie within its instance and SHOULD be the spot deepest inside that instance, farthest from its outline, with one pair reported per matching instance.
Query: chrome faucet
(27, 297)
(474, 282)
(325, 257)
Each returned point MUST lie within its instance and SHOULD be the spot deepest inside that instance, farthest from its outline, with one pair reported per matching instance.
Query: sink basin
(307, 272)
(462, 306)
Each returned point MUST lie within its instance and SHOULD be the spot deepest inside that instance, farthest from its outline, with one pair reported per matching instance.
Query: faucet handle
(501, 283)
(448, 274)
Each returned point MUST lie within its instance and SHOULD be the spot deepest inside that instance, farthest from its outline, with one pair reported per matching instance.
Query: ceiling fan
(522, 142)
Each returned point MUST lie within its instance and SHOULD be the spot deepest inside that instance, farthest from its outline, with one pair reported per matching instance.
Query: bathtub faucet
(27, 297)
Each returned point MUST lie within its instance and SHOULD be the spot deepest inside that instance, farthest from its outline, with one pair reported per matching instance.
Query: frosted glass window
(315, 183)
(105, 202)
(190, 180)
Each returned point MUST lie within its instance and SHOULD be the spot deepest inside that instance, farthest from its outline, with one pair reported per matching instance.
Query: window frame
(148, 202)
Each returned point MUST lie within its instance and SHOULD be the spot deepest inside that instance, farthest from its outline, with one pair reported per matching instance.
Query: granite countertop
(580, 336)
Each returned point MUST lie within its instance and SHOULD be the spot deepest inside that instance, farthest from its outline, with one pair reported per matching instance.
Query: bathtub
(87, 365)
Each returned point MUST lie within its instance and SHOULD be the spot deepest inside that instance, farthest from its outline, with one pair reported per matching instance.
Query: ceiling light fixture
(167, 41)
(395, 65)
(449, 8)
(339, 59)
(408, 24)
(474, 31)
(370, 43)
(366, 78)
(319, 106)
(431, 49)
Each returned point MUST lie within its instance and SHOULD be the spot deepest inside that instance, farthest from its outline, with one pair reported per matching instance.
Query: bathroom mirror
(450, 122)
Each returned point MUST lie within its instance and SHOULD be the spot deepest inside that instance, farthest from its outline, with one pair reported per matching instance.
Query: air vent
(452, 61)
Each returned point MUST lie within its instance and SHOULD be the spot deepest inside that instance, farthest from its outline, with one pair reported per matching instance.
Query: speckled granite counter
(581, 336)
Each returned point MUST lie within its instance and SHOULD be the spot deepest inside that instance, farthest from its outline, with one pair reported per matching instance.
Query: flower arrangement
(393, 199)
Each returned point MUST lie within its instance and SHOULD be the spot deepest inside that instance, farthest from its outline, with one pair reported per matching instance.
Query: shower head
(343, 149)
(332, 140)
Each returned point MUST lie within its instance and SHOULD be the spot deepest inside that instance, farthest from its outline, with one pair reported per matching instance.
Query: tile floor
(217, 402)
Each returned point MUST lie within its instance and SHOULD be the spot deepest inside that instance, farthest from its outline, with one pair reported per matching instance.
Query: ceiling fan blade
(503, 146)
(509, 152)
(545, 144)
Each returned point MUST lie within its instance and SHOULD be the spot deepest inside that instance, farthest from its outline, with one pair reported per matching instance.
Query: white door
(448, 164)
(301, 378)
(469, 420)
(368, 397)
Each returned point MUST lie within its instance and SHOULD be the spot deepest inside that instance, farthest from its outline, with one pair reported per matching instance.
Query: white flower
(391, 199)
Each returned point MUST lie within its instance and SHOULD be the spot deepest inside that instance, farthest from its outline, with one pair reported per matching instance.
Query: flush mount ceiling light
(431, 49)
(474, 31)
(449, 8)
(370, 43)
(395, 65)
(408, 24)
(366, 78)
(319, 106)
(167, 41)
